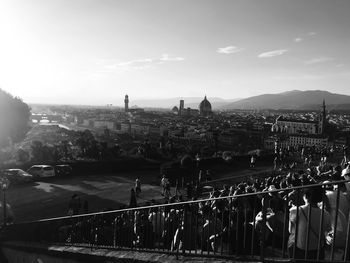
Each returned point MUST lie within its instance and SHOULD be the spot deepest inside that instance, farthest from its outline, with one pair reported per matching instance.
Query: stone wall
(16, 252)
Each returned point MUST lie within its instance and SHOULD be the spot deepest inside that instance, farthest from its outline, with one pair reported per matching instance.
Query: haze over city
(174, 131)
(95, 52)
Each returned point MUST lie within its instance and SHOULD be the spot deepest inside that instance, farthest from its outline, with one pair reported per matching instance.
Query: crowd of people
(227, 218)
(302, 211)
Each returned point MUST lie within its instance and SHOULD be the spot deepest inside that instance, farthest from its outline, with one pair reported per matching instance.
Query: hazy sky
(96, 51)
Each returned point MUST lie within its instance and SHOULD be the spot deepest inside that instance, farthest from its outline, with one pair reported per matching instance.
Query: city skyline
(56, 51)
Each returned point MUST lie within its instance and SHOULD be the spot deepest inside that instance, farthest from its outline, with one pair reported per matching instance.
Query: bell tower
(126, 102)
(323, 118)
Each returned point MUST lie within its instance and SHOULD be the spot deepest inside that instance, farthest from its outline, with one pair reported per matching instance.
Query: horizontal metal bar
(184, 203)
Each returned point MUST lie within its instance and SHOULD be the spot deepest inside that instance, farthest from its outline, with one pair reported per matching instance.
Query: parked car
(17, 176)
(42, 171)
(63, 170)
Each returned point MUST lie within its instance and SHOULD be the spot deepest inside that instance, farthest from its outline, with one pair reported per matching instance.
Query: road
(50, 197)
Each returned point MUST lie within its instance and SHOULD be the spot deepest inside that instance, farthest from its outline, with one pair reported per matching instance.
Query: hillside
(296, 100)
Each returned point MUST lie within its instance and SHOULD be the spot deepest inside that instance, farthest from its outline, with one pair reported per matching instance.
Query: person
(275, 160)
(177, 191)
(295, 197)
(252, 161)
(10, 218)
(336, 173)
(163, 183)
(157, 218)
(343, 211)
(208, 176)
(200, 176)
(165, 186)
(308, 226)
(189, 190)
(86, 207)
(74, 205)
(133, 202)
(137, 186)
(345, 174)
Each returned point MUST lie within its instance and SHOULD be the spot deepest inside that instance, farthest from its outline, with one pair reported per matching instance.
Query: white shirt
(302, 226)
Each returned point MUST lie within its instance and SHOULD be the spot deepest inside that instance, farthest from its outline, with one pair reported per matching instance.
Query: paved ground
(50, 197)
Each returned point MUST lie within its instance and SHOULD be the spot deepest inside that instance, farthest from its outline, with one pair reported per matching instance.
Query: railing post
(184, 229)
(335, 223)
(115, 232)
(263, 230)
(285, 225)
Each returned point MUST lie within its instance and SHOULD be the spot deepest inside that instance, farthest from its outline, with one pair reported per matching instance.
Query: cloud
(298, 39)
(318, 60)
(311, 33)
(272, 53)
(166, 57)
(229, 50)
(135, 64)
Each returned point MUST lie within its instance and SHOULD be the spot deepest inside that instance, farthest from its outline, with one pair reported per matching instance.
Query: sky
(96, 51)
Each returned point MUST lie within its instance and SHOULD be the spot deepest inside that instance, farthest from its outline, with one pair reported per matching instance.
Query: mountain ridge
(294, 100)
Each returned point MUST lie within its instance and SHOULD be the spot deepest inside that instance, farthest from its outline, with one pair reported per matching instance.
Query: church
(296, 126)
(204, 109)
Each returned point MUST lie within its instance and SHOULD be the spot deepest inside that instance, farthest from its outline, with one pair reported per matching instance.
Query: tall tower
(323, 118)
(182, 106)
(126, 102)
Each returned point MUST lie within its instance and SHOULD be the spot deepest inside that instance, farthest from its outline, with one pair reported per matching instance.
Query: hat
(345, 172)
(272, 188)
(328, 185)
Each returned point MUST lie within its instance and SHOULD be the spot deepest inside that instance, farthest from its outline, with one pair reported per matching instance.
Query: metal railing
(254, 226)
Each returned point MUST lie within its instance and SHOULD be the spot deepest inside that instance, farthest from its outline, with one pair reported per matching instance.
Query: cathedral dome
(205, 107)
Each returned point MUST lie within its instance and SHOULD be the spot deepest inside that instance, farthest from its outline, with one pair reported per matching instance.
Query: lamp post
(4, 184)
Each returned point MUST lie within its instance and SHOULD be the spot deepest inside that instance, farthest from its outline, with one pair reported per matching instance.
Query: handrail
(185, 202)
(237, 227)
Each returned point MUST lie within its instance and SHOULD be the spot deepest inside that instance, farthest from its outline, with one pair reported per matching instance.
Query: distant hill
(295, 100)
(192, 102)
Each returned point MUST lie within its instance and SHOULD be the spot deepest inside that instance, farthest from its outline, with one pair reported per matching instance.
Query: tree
(22, 155)
(37, 149)
(88, 144)
(14, 118)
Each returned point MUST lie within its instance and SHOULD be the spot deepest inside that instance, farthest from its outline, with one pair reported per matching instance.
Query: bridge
(37, 118)
(233, 228)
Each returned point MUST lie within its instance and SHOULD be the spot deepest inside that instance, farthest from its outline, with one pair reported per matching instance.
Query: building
(323, 119)
(106, 124)
(190, 112)
(296, 126)
(317, 141)
(126, 103)
(125, 127)
(175, 110)
(182, 106)
(187, 112)
(229, 139)
(205, 108)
